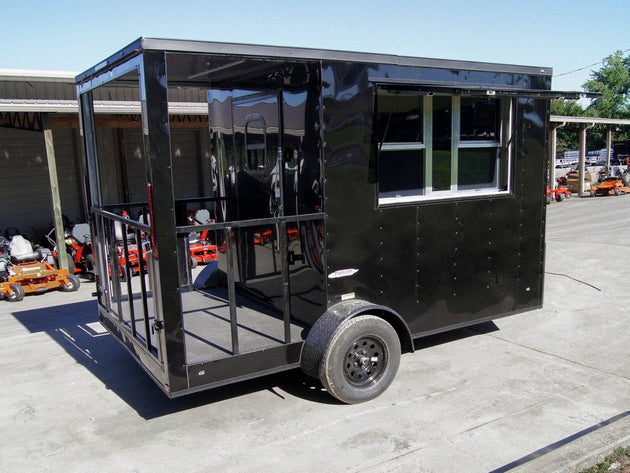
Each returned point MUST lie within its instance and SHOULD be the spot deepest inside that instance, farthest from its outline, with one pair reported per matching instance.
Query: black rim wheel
(360, 360)
(365, 361)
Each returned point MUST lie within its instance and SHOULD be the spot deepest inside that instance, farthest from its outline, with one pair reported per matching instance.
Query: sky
(65, 35)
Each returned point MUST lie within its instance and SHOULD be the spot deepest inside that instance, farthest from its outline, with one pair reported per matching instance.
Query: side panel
(439, 263)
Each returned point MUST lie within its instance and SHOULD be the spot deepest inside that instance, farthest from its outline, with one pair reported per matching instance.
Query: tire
(89, 267)
(18, 293)
(616, 191)
(193, 263)
(591, 193)
(361, 359)
(74, 283)
(559, 197)
(568, 195)
(70, 263)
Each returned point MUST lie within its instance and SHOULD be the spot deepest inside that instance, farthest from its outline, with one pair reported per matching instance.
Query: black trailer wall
(448, 261)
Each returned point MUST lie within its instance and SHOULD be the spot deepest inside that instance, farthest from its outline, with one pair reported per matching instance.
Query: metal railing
(227, 228)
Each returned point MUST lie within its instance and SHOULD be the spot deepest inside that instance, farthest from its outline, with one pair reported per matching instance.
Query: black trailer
(357, 202)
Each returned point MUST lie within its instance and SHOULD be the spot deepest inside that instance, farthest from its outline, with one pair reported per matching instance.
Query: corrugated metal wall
(18, 89)
(25, 200)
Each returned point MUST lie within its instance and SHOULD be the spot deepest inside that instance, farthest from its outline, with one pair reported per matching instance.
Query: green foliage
(621, 456)
(569, 108)
(612, 80)
(567, 138)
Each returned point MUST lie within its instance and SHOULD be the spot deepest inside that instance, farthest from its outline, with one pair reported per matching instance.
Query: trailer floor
(207, 328)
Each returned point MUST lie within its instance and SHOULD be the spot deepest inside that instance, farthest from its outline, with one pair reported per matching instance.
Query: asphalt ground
(543, 391)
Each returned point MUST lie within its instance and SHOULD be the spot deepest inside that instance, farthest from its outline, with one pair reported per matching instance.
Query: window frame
(504, 160)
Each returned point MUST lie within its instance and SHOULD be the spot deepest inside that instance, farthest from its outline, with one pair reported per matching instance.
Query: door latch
(157, 326)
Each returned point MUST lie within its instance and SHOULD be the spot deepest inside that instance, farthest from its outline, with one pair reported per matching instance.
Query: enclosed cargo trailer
(357, 201)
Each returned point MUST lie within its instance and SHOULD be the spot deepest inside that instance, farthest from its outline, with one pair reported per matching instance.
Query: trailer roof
(282, 52)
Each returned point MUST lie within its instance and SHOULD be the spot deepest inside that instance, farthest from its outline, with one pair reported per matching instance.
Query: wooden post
(54, 191)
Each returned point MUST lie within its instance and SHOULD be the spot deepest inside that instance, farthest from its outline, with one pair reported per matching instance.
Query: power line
(585, 67)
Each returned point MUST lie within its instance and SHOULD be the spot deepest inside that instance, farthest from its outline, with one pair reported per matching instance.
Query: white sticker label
(343, 273)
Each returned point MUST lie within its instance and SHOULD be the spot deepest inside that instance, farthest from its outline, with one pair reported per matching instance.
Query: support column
(581, 157)
(608, 145)
(553, 147)
(54, 191)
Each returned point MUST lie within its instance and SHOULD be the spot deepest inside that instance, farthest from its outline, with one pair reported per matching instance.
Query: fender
(320, 335)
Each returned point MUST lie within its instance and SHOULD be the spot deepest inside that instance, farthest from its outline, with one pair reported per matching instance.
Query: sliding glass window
(401, 150)
(441, 146)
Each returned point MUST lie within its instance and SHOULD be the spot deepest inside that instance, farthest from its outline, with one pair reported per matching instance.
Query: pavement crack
(552, 355)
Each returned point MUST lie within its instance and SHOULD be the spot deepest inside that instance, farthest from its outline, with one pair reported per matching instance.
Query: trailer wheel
(361, 359)
(73, 284)
(18, 293)
(193, 263)
(559, 197)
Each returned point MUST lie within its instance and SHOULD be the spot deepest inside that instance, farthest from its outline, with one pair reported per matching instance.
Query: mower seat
(202, 216)
(22, 250)
(81, 232)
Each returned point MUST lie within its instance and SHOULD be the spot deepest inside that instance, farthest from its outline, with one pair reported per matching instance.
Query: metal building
(34, 104)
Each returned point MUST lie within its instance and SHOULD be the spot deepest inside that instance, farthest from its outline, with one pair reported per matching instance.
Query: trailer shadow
(76, 329)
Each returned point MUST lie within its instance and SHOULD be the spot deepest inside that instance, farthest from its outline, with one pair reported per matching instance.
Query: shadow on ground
(77, 330)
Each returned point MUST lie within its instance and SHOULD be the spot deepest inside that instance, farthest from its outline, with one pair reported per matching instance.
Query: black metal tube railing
(107, 222)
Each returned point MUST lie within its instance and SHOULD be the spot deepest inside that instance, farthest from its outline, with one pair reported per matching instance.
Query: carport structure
(41, 158)
(585, 123)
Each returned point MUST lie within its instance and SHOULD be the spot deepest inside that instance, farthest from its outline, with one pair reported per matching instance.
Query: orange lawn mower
(612, 186)
(202, 251)
(78, 249)
(558, 194)
(24, 271)
(132, 246)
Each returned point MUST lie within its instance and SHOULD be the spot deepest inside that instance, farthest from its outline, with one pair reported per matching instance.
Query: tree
(567, 138)
(612, 81)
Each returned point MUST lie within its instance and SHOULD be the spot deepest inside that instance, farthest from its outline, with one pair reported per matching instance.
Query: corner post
(157, 144)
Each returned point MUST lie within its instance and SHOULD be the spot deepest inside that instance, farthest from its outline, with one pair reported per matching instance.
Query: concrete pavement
(543, 391)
